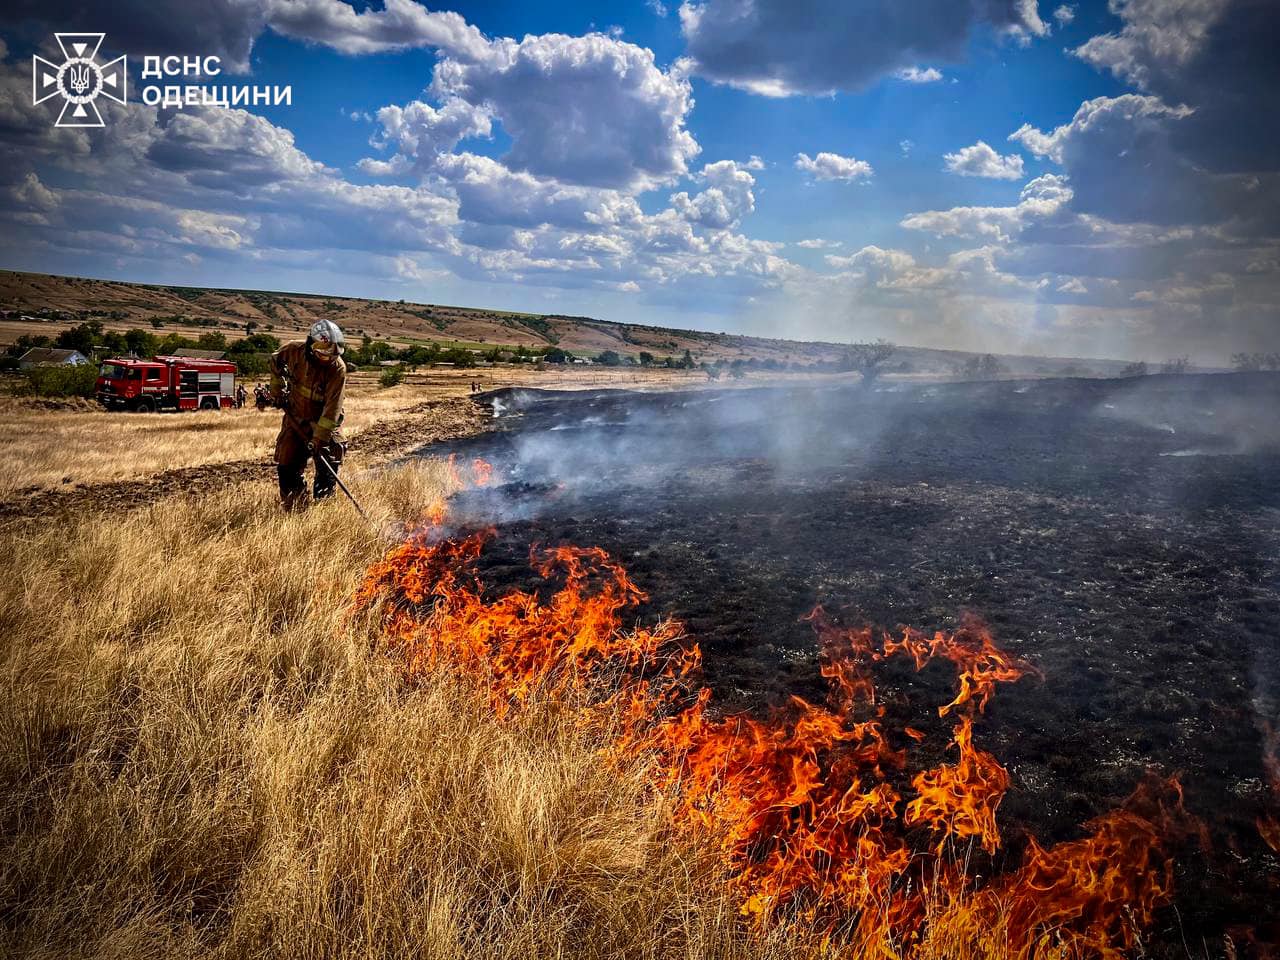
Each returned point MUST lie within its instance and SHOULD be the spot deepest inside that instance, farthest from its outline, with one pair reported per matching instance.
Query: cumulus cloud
(592, 123)
(1129, 115)
(1064, 14)
(1126, 162)
(768, 48)
(726, 199)
(229, 28)
(588, 110)
(1157, 35)
(819, 244)
(832, 166)
(1159, 224)
(1218, 57)
(1041, 199)
(170, 186)
(225, 28)
(875, 260)
(33, 194)
(399, 25)
(421, 133)
(230, 150)
(896, 276)
(980, 160)
(917, 75)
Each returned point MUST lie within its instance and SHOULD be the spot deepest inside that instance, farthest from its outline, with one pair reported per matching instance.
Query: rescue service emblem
(79, 80)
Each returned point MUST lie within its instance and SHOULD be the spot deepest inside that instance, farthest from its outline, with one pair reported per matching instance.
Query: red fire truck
(173, 383)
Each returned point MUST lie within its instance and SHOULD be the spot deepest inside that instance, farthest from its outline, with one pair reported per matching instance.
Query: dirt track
(428, 422)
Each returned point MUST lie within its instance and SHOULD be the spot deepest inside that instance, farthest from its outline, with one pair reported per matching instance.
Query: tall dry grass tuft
(201, 756)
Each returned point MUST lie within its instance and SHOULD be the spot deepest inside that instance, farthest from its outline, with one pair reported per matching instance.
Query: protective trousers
(292, 453)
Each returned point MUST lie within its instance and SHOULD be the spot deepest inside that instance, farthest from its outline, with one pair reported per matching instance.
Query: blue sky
(1076, 179)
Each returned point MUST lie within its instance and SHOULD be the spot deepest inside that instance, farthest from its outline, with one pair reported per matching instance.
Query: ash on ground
(1123, 536)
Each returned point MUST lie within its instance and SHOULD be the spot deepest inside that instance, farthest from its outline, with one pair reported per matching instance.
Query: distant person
(241, 395)
(307, 383)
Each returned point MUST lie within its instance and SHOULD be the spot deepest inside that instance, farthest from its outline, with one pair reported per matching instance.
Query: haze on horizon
(1078, 179)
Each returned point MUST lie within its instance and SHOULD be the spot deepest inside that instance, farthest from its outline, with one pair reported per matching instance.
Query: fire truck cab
(166, 383)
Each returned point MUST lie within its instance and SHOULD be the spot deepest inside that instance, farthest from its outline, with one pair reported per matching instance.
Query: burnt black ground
(1123, 536)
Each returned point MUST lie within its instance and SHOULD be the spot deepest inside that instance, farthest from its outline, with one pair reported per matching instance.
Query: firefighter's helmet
(326, 340)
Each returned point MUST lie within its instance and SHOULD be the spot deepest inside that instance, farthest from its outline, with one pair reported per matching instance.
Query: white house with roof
(51, 357)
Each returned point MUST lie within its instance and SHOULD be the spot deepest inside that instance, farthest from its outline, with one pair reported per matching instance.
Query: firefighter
(307, 381)
(241, 395)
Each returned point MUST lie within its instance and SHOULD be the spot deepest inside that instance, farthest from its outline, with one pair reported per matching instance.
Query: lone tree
(984, 367)
(867, 358)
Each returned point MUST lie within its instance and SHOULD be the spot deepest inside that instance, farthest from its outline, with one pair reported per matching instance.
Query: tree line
(250, 354)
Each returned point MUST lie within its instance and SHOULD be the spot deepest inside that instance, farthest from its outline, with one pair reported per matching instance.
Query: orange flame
(813, 808)
(515, 645)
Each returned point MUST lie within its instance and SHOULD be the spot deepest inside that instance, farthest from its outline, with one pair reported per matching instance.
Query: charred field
(1123, 536)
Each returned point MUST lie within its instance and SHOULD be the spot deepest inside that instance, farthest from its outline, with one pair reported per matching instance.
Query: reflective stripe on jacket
(315, 388)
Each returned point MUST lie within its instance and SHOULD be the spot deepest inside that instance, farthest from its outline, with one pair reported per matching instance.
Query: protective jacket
(315, 390)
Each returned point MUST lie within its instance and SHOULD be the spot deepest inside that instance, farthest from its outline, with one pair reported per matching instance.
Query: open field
(54, 447)
(204, 752)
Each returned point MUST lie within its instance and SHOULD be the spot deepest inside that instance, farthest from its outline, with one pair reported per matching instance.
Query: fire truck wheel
(208, 403)
(144, 405)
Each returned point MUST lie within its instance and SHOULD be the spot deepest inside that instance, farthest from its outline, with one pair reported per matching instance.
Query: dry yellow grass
(199, 756)
(41, 448)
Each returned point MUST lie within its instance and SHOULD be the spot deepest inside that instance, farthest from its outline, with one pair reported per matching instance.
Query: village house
(50, 357)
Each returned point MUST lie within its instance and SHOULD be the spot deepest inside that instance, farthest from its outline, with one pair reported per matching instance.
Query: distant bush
(391, 376)
(1252, 362)
(62, 381)
(459, 357)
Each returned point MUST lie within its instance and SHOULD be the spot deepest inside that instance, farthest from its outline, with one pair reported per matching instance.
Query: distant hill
(31, 301)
